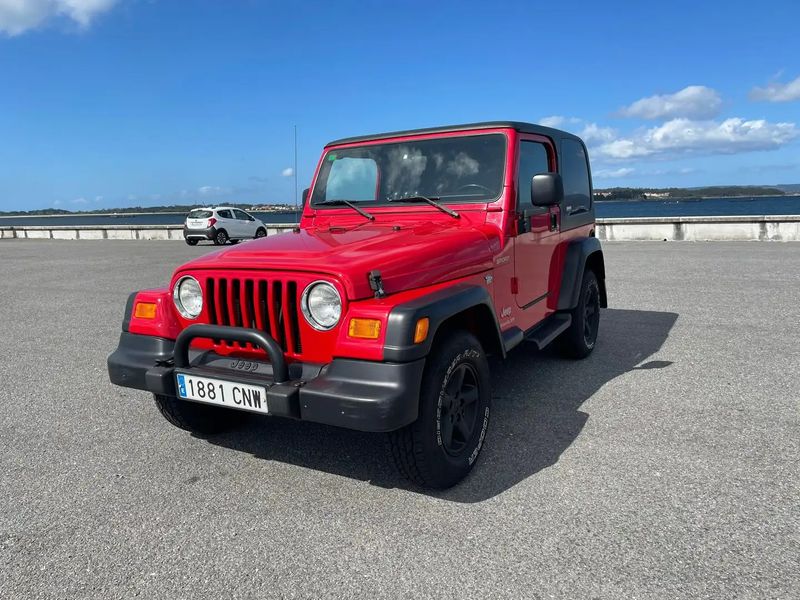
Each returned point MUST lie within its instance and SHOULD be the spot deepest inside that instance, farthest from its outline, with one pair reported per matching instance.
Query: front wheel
(201, 419)
(440, 448)
(191, 242)
(261, 232)
(579, 340)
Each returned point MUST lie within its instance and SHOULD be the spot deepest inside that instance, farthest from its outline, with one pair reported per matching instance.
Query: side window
(353, 179)
(532, 161)
(575, 174)
(241, 215)
(225, 214)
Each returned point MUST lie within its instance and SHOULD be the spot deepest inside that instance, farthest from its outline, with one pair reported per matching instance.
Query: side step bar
(549, 330)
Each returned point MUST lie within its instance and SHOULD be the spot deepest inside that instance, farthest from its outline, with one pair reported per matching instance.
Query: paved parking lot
(664, 466)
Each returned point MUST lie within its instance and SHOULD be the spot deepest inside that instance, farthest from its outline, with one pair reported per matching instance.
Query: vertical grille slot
(248, 304)
(212, 303)
(276, 313)
(291, 313)
(262, 307)
(222, 302)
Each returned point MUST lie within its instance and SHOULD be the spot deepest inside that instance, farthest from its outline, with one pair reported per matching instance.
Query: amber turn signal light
(145, 310)
(421, 330)
(367, 329)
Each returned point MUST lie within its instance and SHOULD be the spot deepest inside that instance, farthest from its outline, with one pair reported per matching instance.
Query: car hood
(408, 256)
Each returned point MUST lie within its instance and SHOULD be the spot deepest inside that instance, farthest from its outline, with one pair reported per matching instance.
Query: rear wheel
(191, 242)
(579, 340)
(221, 238)
(440, 448)
(201, 419)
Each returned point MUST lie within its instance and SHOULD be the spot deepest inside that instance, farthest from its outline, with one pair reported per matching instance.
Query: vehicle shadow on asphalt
(536, 415)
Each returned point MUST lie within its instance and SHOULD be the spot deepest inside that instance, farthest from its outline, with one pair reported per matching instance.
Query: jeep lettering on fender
(418, 254)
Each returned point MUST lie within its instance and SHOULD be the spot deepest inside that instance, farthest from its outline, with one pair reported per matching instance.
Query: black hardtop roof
(518, 125)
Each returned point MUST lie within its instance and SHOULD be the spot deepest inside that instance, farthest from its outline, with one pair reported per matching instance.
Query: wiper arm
(431, 201)
(352, 205)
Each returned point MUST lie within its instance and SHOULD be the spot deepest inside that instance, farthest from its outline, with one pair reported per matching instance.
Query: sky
(112, 103)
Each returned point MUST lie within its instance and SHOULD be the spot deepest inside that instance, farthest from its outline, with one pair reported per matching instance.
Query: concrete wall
(779, 228)
(768, 228)
(110, 232)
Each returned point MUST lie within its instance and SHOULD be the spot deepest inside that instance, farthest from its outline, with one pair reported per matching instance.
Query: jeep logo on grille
(244, 365)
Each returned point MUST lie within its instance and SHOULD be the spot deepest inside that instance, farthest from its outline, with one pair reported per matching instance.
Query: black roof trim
(518, 125)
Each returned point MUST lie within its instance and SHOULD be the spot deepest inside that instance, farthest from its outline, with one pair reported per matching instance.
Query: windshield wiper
(352, 205)
(431, 201)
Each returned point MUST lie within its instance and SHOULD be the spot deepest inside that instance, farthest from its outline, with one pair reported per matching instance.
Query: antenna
(295, 172)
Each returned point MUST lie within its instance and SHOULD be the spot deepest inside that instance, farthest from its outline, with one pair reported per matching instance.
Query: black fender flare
(579, 253)
(438, 306)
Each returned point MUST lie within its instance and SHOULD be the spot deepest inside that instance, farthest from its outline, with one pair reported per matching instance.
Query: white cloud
(559, 121)
(80, 201)
(287, 172)
(612, 173)
(777, 92)
(693, 102)
(685, 136)
(18, 16)
(212, 190)
(592, 134)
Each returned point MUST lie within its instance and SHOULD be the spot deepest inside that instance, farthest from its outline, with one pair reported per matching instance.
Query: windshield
(449, 169)
(199, 214)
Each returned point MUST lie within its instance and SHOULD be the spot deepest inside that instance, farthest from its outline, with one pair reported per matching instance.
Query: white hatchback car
(221, 224)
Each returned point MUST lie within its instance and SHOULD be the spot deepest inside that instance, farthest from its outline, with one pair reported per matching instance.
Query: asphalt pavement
(666, 465)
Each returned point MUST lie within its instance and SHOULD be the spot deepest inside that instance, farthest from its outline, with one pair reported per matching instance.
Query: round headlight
(321, 305)
(188, 297)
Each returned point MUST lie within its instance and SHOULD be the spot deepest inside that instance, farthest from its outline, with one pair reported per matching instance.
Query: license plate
(222, 393)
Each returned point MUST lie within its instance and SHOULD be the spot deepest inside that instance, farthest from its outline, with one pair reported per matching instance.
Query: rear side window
(225, 214)
(532, 161)
(200, 214)
(241, 215)
(575, 174)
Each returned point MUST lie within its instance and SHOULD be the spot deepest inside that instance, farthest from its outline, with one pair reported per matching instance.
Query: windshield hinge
(376, 284)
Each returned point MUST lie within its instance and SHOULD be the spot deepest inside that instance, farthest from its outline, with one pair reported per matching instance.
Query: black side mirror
(547, 189)
(305, 197)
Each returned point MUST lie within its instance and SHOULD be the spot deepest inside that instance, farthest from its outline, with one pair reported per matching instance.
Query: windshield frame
(382, 204)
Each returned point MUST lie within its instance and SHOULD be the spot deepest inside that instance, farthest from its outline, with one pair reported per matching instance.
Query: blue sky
(108, 103)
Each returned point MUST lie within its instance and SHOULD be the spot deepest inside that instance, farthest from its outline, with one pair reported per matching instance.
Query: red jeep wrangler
(418, 253)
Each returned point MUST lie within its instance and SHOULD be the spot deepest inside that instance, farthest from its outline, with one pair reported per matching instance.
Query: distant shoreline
(694, 198)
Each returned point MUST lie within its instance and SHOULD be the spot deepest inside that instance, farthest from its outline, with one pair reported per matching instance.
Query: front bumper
(199, 234)
(355, 394)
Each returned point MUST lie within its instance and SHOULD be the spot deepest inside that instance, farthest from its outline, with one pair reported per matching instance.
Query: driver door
(537, 228)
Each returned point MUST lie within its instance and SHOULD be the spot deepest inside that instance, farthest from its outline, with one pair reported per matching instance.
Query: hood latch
(376, 283)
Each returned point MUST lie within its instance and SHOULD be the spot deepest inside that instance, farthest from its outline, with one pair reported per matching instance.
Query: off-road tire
(191, 242)
(221, 238)
(201, 419)
(420, 451)
(580, 339)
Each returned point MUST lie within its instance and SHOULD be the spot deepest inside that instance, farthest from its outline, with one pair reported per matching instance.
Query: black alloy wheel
(459, 409)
